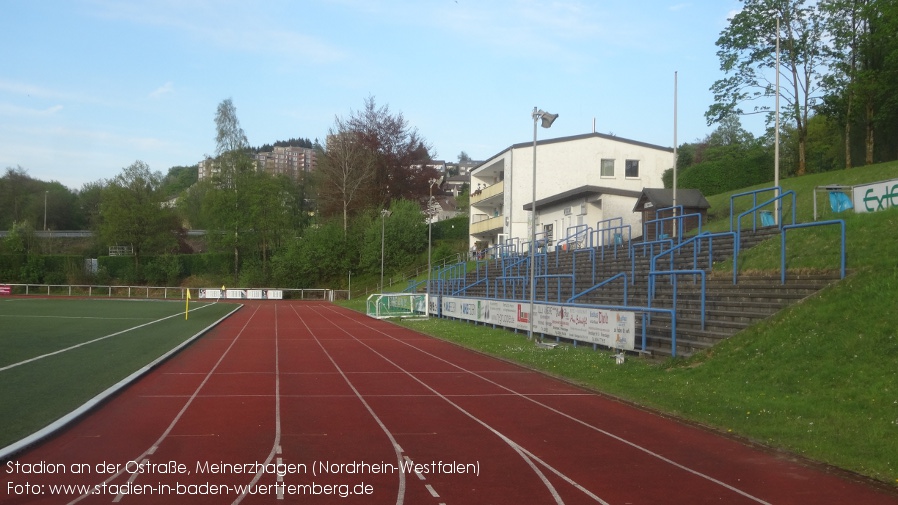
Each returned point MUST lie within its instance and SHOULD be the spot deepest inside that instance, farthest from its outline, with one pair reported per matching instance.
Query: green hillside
(819, 379)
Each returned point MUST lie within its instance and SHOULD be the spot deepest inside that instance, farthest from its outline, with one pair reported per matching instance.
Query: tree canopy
(134, 212)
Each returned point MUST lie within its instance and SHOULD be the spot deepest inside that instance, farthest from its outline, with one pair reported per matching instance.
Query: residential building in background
(289, 161)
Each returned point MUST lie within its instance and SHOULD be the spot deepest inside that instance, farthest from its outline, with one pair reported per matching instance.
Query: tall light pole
(675, 230)
(384, 214)
(429, 240)
(547, 120)
(776, 135)
(45, 210)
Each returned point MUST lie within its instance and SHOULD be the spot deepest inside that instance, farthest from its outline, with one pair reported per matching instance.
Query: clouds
(163, 90)
(262, 29)
(16, 111)
(108, 82)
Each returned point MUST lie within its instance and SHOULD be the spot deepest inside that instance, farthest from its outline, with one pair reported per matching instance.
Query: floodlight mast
(546, 119)
(384, 214)
(430, 215)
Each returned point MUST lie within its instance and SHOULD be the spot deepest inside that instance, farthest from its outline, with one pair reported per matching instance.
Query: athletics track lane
(304, 382)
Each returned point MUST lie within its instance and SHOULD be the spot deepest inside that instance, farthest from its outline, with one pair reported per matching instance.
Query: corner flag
(187, 306)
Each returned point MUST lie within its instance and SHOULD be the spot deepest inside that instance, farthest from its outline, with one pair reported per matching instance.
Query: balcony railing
(489, 224)
(488, 193)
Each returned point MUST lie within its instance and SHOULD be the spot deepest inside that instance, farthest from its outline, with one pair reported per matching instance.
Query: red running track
(282, 388)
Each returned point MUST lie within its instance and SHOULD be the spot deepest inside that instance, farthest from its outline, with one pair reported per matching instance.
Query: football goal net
(386, 305)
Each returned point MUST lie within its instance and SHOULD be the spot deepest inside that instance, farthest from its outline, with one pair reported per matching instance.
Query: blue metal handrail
(678, 218)
(599, 285)
(651, 246)
(674, 274)
(754, 209)
(606, 237)
(839, 222)
(572, 277)
(465, 288)
(581, 232)
(696, 243)
(754, 202)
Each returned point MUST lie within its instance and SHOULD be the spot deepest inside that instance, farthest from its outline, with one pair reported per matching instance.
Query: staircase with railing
(701, 306)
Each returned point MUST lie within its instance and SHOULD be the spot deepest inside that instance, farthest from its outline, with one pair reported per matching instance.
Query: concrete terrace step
(729, 308)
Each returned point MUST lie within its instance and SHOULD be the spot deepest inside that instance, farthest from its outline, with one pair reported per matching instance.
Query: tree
(179, 178)
(133, 212)
(346, 167)
(747, 54)
(18, 194)
(861, 83)
(89, 201)
(401, 155)
(26, 199)
(403, 235)
(234, 166)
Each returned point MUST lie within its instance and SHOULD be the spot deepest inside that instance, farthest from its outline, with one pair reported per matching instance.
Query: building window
(632, 169)
(607, 168)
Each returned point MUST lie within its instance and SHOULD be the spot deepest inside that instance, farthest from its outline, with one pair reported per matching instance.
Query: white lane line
(277, 414)
(581, 422)
(182, 411)
(131, 480)
(525, 455)
(280, 479)
(400, 494)
(432, 491)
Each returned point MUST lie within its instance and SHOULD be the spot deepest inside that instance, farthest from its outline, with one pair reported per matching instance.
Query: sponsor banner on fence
(239, 294)
(875, 196)
(610, 328)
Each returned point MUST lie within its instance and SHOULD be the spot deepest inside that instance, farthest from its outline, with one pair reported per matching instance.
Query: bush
(451, 229)
(163, 270)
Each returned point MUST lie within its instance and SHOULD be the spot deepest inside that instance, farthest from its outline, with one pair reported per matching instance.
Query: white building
(580, 180)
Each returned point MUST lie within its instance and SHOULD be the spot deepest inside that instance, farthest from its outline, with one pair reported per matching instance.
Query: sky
(88, 87)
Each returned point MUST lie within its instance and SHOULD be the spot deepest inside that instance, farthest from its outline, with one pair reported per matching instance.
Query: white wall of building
(562, 165)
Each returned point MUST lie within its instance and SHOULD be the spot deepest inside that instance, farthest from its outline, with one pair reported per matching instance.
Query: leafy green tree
(39, 203)
(321, 255)
(345, 169)
(860, 86)
(225, 207)
(17, 190)
(133, 212)
(88, 203)
(747, 55)
(404, 235)
(178, 179)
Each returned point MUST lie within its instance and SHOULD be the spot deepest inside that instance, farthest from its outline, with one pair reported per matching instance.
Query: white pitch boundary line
(82, 344)
(63, 421)
(400, 493)
(171, 426)
(584, 423)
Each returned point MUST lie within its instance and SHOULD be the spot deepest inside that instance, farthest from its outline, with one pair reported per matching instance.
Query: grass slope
(819, 379)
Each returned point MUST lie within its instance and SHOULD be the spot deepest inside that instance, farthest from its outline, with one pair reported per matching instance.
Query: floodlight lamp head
(547, 119)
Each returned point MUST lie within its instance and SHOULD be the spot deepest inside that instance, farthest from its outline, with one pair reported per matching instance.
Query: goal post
(387, 305)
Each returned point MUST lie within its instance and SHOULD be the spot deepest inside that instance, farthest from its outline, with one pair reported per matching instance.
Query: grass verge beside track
(819, 379)
(34, 394)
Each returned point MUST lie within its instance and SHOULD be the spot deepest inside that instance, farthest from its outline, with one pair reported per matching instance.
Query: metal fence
(149, 292)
